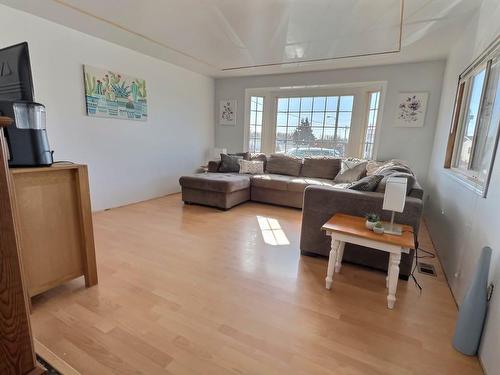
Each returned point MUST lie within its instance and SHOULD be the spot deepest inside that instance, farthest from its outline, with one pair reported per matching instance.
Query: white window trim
(469, 178)
(378, 120)
(359, 114)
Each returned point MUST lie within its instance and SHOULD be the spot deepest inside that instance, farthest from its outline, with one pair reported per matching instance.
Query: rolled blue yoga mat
(473, 310)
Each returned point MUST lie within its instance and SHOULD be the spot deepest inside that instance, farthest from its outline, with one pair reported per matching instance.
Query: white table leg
(331, 263)
(340, 254)
(393, 275)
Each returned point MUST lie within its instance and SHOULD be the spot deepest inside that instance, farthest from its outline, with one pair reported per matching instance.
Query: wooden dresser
(54, 219)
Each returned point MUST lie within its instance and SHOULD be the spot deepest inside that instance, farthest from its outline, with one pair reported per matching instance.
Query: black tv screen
(16, 82)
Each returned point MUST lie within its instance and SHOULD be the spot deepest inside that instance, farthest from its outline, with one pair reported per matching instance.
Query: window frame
(367, 123)
(469, 176)
(248, 133)
(359, 90)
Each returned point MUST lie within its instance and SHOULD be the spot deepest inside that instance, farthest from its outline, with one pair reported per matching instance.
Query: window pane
(252, 117)
(331, 103)
(260, 103)
(306, 105)
(255, 132)
(281, 133)
(294, 105)
(281, 119)
(346, 103)
(344, 119)
(470, 120)
(488, 123)
(282, 104)
(312, 130)
(319, 103)
(371, 125)
(330, 119)
(317, 118)
(259, 118)
(293, 119)
(253, 103)
(251, 144)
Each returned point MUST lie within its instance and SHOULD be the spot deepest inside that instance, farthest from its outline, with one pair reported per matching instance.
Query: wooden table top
(355, 226)
(54, 167)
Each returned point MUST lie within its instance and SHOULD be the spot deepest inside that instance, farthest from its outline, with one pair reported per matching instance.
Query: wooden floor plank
(194, 290)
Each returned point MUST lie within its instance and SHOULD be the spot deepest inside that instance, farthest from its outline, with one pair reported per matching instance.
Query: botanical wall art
(411, 109)
(227, 112)
(111, 94)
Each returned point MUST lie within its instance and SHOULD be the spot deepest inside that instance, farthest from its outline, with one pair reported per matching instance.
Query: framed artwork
(114, 95)
(227, 112)
(411, 109)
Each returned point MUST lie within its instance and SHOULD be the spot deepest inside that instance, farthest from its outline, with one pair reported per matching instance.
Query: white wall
(413, 145)
(461, 222)
(128, 161)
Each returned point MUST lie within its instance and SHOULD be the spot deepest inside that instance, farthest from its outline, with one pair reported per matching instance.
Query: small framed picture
(411, 110)
(227, 112)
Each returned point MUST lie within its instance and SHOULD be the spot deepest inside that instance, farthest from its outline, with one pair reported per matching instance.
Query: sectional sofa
(312, 184)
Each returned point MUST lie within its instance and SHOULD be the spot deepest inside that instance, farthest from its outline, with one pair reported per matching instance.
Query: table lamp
(394, 200)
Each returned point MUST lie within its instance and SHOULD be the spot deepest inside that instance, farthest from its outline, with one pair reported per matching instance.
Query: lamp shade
(395, 194)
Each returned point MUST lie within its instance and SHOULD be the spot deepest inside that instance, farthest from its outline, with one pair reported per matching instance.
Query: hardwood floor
(194, 290)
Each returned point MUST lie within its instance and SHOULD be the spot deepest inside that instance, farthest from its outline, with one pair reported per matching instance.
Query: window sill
(465, 181)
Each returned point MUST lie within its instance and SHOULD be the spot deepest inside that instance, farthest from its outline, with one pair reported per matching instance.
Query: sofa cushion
(229, 163)
(351, 174)
(219, 182)
(298, 184)
(321, 167)
(410, 181)
(270, 181)
(368, 183)
(284, 165)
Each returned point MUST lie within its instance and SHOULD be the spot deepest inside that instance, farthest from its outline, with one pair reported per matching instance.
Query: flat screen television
(16, 82)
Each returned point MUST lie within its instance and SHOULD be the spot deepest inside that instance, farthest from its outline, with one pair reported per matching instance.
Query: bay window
(314, 121)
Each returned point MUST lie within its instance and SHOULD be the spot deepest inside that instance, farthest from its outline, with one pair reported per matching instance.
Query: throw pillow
(321, 167)
(284, 164)
(351, 174)
(410, 181)
(372, 166)
(251, 167)
(244, 155)
(368, 183)
(259, 156)
(349, 163)
(229, 163)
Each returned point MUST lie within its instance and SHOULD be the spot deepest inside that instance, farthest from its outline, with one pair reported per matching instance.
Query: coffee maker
(27, 140)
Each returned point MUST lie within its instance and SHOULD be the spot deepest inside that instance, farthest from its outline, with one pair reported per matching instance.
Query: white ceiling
(248, 37)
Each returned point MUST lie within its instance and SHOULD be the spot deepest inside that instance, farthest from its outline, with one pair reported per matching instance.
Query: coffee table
(351, 229)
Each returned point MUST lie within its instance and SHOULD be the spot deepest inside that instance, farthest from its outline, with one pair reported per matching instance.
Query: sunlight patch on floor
(272, 233)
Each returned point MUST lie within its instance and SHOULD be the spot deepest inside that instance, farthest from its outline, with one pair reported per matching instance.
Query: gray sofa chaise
(311, 184)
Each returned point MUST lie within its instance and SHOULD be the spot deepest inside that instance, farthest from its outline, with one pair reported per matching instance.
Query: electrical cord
(429, 255)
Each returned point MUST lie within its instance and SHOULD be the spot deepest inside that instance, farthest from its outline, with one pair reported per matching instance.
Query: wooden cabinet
(55, 225)
(17, 354)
